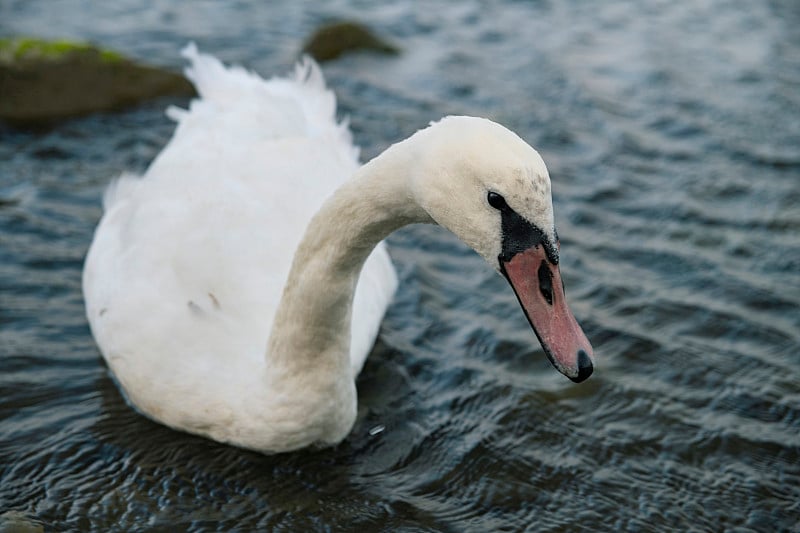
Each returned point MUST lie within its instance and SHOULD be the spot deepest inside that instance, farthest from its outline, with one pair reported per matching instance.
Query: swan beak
(537, 283)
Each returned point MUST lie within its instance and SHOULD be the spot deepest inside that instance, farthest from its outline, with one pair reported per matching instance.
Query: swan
(236, 288)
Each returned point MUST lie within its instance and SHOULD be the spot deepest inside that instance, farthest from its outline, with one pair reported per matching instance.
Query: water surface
(672, 134)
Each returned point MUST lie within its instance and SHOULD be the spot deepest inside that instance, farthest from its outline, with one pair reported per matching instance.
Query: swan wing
(189, 260)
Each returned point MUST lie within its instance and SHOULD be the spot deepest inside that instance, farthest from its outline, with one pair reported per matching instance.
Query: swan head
(492, 189)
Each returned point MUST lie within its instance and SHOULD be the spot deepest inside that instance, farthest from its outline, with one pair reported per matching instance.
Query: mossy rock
(332, 40)
(27, 49)
(43, 82)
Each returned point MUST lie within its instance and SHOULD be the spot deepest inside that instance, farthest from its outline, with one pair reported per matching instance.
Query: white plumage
(189, 261)
(237, 287)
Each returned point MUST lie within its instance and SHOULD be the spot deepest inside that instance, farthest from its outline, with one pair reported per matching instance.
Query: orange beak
(537, 284)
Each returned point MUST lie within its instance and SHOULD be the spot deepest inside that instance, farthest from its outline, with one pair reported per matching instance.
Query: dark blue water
(672, 133)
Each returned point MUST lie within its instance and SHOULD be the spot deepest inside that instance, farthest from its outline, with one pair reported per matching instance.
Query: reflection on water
(671, 132)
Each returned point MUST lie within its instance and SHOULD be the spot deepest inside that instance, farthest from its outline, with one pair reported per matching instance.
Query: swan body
(236, 288)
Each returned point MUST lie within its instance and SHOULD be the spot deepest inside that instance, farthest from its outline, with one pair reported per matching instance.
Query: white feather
(189, 261)
(230, 288)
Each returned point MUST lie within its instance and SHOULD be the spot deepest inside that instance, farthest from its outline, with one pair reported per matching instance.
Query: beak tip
(585, 367)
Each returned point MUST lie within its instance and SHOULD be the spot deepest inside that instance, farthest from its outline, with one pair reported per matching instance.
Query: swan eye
(497, 201)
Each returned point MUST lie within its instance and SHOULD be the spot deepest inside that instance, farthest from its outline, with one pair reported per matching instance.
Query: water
(672, 132)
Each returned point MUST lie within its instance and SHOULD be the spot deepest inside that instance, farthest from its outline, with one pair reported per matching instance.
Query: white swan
(210, 326)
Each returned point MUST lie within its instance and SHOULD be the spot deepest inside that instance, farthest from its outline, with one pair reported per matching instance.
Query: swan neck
(311, 329)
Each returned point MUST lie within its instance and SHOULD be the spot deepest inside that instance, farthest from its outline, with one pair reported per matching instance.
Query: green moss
(25, 48)
(110, 56)
(43, 82)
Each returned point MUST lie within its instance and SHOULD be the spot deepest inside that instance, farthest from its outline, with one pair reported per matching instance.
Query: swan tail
(308, 72)
(238, 108)
(247, 106)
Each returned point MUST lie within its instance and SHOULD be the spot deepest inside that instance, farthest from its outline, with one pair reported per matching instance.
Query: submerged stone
(43, 82)
(332, 40)
(19, 522)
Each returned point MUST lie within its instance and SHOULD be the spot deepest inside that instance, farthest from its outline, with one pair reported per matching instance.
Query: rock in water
(43, 82)
(332, 40)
